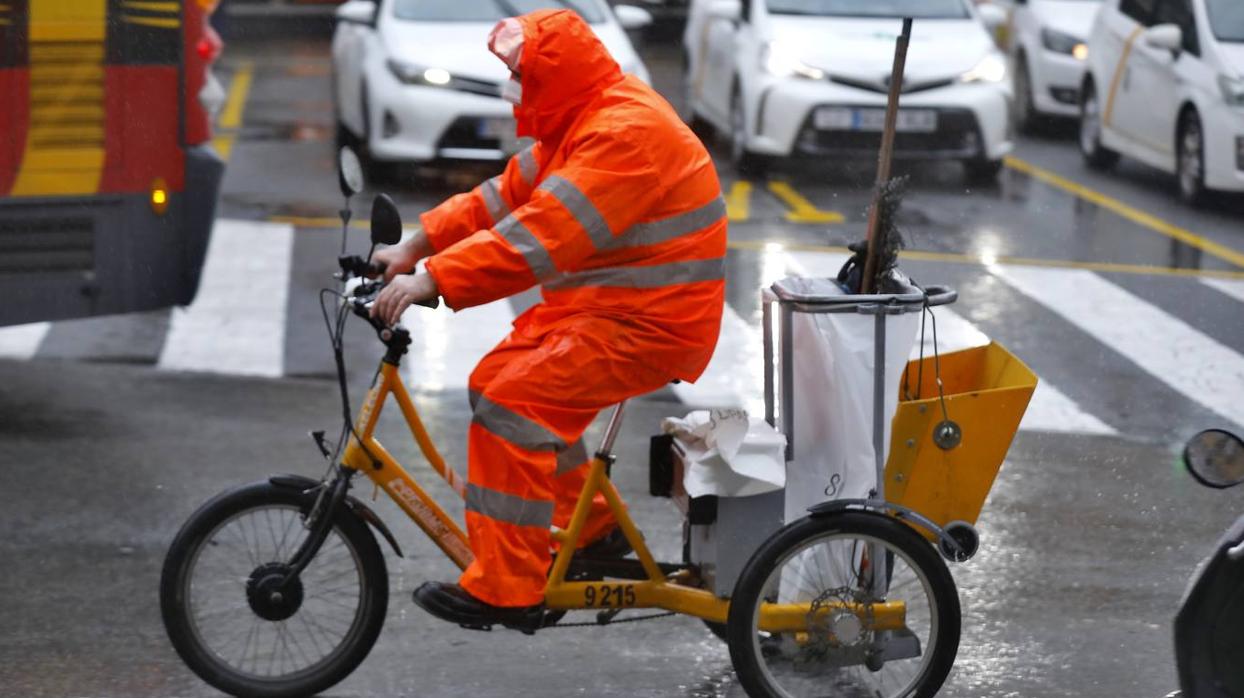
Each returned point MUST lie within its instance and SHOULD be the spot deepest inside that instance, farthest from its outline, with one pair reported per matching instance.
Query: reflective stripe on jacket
(615, 210)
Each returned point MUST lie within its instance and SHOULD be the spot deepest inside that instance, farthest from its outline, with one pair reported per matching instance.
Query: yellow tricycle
(279, 587)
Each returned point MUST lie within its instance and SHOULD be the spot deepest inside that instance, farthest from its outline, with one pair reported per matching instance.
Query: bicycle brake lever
(318, 437)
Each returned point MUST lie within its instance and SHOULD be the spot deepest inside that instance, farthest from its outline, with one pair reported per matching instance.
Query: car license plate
(496, 128)
(848, 119)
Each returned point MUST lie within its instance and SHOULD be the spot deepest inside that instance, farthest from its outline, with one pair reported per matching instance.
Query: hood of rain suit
(563, 67)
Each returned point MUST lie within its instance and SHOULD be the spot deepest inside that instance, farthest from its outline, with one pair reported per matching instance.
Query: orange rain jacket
(615, 211)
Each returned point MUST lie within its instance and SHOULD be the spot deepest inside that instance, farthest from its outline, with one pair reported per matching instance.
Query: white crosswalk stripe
(238, 325)
(1231, 287)
(22, 341)
(237, 322)
(1199, 367)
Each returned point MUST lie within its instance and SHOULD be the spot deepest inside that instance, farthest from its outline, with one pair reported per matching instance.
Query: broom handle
(886, 154)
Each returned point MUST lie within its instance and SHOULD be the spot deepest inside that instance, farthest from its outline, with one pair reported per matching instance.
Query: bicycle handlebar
(357, 267)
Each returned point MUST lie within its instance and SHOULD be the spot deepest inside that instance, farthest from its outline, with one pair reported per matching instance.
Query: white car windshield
(919, 9)
(488, 10)
(1226, 18)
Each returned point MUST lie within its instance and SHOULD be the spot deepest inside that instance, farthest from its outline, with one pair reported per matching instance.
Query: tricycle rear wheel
(883, 619)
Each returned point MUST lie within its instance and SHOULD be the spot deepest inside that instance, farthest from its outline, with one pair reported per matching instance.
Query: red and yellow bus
(108, 184)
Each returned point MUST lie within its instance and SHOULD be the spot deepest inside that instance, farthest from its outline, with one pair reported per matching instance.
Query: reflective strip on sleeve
(571, 458)
(527, 166)
(653, 276)
(473, 397)
(493, 199)
(667, 229)
(508, 508)
(528, 245)
(515, 428)
(583, 210)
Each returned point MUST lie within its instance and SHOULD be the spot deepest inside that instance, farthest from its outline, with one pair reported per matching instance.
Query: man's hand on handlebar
(401, 259)
(400, 293)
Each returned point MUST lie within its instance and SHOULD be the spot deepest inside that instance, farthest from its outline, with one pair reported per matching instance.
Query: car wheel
(745, 161)
(1096, 155)
(982, 171)
(1190, 162)
(1026, 114)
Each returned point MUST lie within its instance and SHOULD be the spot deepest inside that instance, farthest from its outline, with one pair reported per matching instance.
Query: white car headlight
(777, 59)
(1232, 90)
(992, 68)
(412, 74)
(1061, 42)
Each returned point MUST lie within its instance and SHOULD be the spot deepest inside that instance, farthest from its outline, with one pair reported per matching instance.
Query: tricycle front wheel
(846, 604)
(235, 621)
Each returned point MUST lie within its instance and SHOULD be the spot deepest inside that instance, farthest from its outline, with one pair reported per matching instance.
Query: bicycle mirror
(349, 172)
(386, 222)
(1215, 458)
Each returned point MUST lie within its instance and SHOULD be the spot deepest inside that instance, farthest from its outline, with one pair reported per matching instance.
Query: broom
(880, 248)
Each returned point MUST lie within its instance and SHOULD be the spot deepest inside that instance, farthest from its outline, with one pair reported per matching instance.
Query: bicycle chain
(598, 624)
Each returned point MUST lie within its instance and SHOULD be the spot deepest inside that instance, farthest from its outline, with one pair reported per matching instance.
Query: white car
(1165, 86)
(413, 80)
(810, 78)
(1049, 48)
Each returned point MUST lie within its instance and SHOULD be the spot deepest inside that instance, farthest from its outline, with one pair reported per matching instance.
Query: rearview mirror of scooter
(386, 222)
(349, 172)
(1215, 458)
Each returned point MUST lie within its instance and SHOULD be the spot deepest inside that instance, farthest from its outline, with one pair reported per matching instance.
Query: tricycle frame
(653, 585)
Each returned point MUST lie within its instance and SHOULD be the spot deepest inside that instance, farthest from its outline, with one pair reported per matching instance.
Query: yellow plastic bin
(987, 391)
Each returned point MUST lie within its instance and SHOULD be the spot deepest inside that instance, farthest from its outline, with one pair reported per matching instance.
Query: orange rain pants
(533, 398)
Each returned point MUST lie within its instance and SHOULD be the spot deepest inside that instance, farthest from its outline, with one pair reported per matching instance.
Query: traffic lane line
(980, 260)
(801, 209)
(235, 105)
(311, 222)
(1128, 212)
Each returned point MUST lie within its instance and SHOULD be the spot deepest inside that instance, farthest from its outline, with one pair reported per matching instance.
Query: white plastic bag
(833, 361)
(728, 453)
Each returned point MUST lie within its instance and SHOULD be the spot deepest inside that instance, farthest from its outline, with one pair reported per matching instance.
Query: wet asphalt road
(1087, 539)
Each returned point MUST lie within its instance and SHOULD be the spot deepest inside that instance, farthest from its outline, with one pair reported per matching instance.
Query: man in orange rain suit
(616, 211)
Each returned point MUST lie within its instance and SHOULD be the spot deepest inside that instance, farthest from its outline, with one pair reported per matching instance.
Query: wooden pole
(886, 154)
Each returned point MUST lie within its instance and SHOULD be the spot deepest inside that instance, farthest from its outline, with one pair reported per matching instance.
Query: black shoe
(610, 546)
(453, 603)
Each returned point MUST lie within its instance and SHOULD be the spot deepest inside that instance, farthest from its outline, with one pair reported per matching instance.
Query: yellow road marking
(953, 258)
(326, 222)
(1132, 214)
(222, 143)
(157, 22)
(153, 6)
(235, 102)
(802, 210)
(738, 201)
